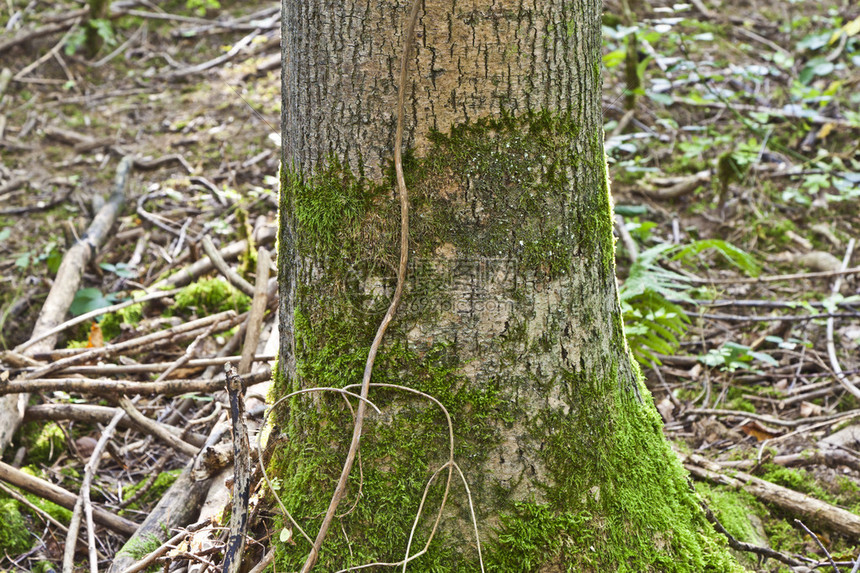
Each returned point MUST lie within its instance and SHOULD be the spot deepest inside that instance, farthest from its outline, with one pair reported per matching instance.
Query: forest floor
(733, 140)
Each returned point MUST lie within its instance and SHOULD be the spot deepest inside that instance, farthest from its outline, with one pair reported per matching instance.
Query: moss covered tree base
(510, 316)
(511, 320)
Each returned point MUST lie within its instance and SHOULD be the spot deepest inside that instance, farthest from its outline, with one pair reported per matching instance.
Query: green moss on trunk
(511, 320)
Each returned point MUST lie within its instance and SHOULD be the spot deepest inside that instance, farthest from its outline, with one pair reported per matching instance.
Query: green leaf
(738, 257)
(831, 303)
(89, 299)
(662, 99)
(627, 210)
(766, 358)
(814, 42)
(653, 324)
(823, 68)
(104, 29)
(53, 260)
(75, 41)
(614, 58)
(120, 269)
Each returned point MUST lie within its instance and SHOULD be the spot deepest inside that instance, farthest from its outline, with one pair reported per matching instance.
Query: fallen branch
(831, 458)
(748, 547)
(60, 297)
(831, 347)
(820, 545)
(257, 312)
(231, 276)
(158, 430)
(204, 265)
(775, 278)
(152, 164)
(267, 560)
(117, 369)
(824, 514)
(189, 351)
(43, 31)
(242, 477)
(15, 183)
(138, 344)
(63, 498)
(774, 421)
(84, 506)
(153, 218)
(791, 111)
(237, 47)
(92, 415)
(93, 314)
(40, 206)
(111, 388)
(165, 547)
(679, 189)
(176, 507)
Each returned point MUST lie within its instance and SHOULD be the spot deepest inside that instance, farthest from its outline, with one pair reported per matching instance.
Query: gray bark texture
(510, 316)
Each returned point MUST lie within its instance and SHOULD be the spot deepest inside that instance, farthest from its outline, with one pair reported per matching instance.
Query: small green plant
(162, 482)
(654, 321)
(121, 270)
(14, 534)
(48, 442)
(208, 296)
(93, 34)
(112, 323)
(200, 7)
(50, 255)
(732, 356)
(89, 299)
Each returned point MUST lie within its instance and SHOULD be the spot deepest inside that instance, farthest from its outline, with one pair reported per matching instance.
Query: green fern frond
(737, 257)
(654, 325)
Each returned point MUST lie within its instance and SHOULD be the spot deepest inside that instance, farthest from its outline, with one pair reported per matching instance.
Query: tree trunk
(510, 316)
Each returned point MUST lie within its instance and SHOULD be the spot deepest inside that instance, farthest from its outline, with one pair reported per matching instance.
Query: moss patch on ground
(209, 296)
(44, 441)
(14, 533)
(112, 323)
(162, 482)
(16, 521)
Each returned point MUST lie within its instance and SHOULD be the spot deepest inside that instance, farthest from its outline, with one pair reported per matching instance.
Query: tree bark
(510, 316)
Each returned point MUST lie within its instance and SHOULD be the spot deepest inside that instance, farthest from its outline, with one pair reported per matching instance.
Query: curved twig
(748, 547)
(395, 302)
(451, 465)
(232, 276)
(151, 217)
(831, 347)
(820, 545)
(260, 456)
